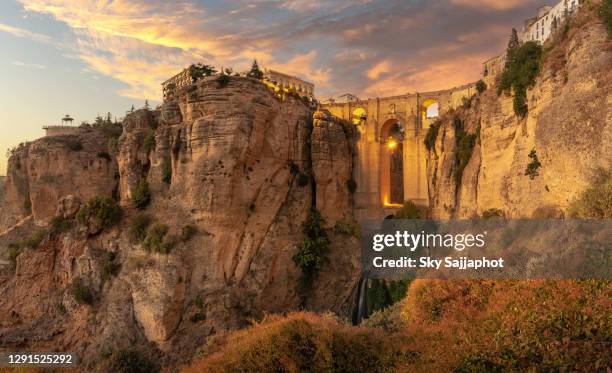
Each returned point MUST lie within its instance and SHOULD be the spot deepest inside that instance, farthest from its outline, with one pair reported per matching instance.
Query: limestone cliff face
(229, 161)
(569, 125)
(41, 172)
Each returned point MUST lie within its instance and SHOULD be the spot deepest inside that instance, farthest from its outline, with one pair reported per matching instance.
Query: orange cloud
(493, 4)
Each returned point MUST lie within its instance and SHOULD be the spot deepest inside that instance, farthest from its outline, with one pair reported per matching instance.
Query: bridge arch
(392, 162)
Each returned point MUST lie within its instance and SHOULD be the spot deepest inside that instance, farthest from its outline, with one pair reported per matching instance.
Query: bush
(167, 173)
(389, 319)
(533, 166)
(432, 135)
(465, 146)
(104, 155)
(605, 12)
(409, 211)
(110, 267)
(302, 342)
(313, 247)
(223, 80)
(104, 210)
(492, 213)
(81, 292)
(157, 240)
(74, 144)
(198, 317)
(352, 186)
(141, 196)
(520, 74)
(35, 240)
(130, 361)
(596, 201)
(138, 227)
(148, 144)
(349, 228)
(14, 250)
(187, 232)
(303, 179)
(59, 225)
(481, 86)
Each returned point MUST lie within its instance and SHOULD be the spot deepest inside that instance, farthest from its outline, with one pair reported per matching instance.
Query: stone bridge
(391, 154)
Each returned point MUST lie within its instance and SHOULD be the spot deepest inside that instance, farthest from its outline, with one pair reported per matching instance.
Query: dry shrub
(300, 342)
(539, 325)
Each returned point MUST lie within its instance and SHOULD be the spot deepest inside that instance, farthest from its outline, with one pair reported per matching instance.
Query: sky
(89, 57)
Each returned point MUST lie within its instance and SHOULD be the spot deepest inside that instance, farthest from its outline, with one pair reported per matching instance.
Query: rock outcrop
(235, 164)
(569, 125)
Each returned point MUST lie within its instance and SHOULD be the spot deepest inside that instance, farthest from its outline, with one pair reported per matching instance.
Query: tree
(199, 70)
(255, 71)
(513, 45)
(146, 105)
(132, 109)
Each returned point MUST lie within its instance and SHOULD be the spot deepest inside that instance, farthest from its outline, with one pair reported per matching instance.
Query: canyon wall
(568, 125)
(237, 163)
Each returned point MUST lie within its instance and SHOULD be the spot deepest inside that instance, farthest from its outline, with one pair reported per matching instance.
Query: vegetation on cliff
(313, 247)
(522, 67)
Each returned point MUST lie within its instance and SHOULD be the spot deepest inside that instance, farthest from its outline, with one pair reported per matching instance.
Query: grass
(138, 227)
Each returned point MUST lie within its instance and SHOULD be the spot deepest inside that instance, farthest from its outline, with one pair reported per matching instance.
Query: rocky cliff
(232, 172)
(568, 127)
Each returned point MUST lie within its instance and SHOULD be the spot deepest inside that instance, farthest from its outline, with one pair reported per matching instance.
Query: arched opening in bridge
(359, 116)
(392, 167)
(430, 109)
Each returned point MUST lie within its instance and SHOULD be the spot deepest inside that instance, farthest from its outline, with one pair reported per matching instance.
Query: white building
(540, 27)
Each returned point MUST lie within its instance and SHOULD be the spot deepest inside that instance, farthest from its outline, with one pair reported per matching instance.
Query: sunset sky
(89, 57)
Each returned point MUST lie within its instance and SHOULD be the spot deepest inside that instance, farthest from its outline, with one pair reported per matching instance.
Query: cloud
(22, 33)
(494, 4)
(28, 65)
(360, 46)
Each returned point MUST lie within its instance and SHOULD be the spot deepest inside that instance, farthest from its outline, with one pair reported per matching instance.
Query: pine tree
(146, 105)
(513, 45)
(255, 71)
(132, 109)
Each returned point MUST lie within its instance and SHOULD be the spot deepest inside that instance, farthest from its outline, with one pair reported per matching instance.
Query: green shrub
(158, 241)
(349, 228)
(148, 144)
(596, 201)
(59, 225)
(35, 240)
(223, 80)
(465, 146)
(187, 232)
(74, 144)
(14, 250)
(104, 155)
(141, 196)
(130, 361)
(198, 317)
(303, 179)
(533, 166)
(138, 227)
(81, 292)
(199, 302)
(167, 173)
(110, 268)
(481, 86)
(409, 211)
(313, 247)
(104, 209)
(432, 135)
(351, 185)
(520, 73)
(605, 12)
